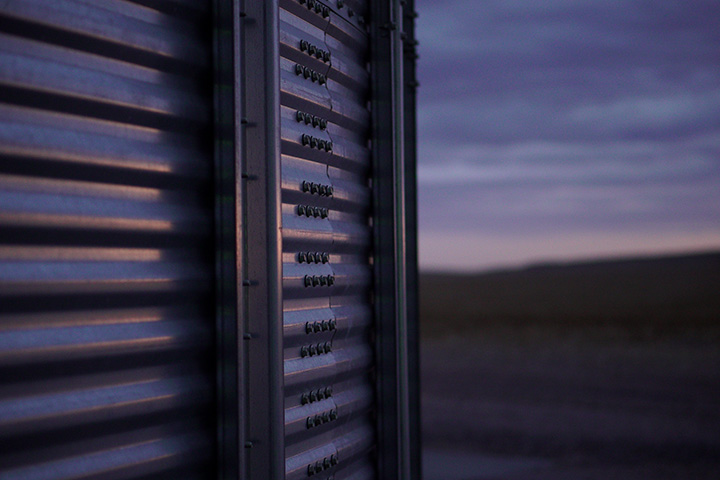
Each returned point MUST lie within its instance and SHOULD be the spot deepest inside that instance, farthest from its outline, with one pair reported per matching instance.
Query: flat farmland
(594, 370)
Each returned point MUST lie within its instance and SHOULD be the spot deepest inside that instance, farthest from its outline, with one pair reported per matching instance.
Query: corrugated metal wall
(327, 240)
(106, 251)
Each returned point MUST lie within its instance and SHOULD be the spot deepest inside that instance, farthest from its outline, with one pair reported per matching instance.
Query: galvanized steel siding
(106, 252)
(327, 241)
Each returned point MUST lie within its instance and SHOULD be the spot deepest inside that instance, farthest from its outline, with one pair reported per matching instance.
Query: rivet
(331, 189)
(305, 186)
(313, 142)
(315, 280)
(323, 280)
(315, 76)
(308, 118)
(305, 399)
(301, 210)
(328, 392)
(305, 139)
(329, 146)
(304, 352)
(317, 327)
(315, 121)
(321, 394)
(333, 324)
(313, 396)
(302, 257)
(312, 49)
(314, 188)
(313, 350)
(307, 73)
(324, 325)
(322, 79)
(299, 69)
(324, 213)
(308, 327)
(303, 45)
(300, 116)
(310, 422)
(325, 417)
(328, 347)
(318, 257)
(326, 56)
(323, 124)
(321, 145)
(319, 54)
(331, 279)
(325, 258)
(333, 414)
(311, 257)
(308, 281)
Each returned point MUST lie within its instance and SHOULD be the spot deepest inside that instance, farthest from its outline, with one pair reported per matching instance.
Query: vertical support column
(261, 220)
(393, 294)
(228, 239)
(410, 85)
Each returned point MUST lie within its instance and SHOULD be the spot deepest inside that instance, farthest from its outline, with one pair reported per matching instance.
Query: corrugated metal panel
(106, 250)
(327, 241)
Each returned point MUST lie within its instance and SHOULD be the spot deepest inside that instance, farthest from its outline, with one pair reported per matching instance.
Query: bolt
(333, 414)
(313, 350)
(340, 3)
(307, 73)
(321, 145)
(326, 56)
(322, 79)
(317, 327)
(310, 422)
(333, 324)
(315, 121)
(331, 189)
(323, 124)
(326, 463)
(329, 146)
(304, 352)
(331, 279)
(311, 469)
(299, 69)
(328, 347)
(328, 392)
(350, 12)
(315, 280)
(334, 459)
(301, 210)
(300, 116)
(305, 399)
(312, 49)
(314, 188)
(313, 396)
(305, 139)
(308, 118)
(323, 280)
(308, 281)
(324, 325)
(324, 213)
(313, 142)
(326, 12)
(303, 45)
(321, 395)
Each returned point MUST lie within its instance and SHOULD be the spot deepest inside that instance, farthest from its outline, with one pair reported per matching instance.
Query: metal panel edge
(262, 271)
(395, 290)
(228, 192)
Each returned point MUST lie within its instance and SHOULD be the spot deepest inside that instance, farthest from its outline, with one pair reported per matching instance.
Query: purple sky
(567, 129)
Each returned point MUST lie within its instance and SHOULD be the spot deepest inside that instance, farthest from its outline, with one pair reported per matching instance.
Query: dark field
(586, 371)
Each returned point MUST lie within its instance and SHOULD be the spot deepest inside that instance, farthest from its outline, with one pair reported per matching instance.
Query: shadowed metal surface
(327, 241)
(106, 250)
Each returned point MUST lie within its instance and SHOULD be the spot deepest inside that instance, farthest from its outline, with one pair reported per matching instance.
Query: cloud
(568, 115)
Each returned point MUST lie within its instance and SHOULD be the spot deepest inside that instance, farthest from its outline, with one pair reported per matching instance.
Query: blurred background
(569, 203)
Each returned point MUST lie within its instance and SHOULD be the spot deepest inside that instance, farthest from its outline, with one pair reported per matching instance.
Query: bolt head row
(312, 350)
(319, 466)
(311, 119)
(321, 418)
(319, 280)
(323, 326)
(311, 74)
(316, 395)
(310, 211)
(314, 51)
(314, 142)
(317, 188)
(316, 257)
